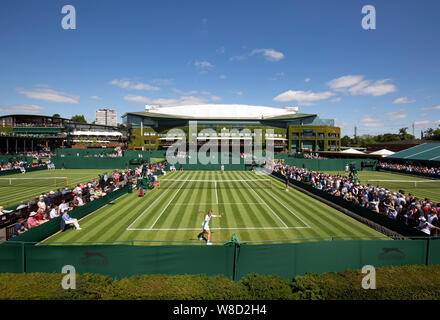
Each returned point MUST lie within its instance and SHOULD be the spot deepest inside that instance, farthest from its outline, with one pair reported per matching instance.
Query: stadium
(219, 154)
(140, 211)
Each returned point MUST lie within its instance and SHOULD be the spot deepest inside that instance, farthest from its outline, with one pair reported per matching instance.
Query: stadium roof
(221, 112)
(423, 152)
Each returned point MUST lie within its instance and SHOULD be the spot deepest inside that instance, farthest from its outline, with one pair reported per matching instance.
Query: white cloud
(164, 102)
(222, 76)
(431, 108)
(269, 54)
(162, 82)
(277, 76)
(237, 58)
(192, 92)
(239, 93)
(307, 80)
(378, 88)
(403, 100)
(304, 98)
(335, 100)
(356, 85)
(220, 50)
(49, 95)
(204, 65)
(24, 108)
(422, 123)
(132, 85)
(344, 82)
(95, 98)
(216, 98)
(371, 122)
(396, 115)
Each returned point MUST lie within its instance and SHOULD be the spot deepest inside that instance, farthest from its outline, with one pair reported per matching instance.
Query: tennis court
(255, 207)
(418, 186)
(21, 187)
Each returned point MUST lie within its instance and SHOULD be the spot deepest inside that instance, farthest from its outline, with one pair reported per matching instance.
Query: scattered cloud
(220, 50)
(24, 108)
(204, 65)
(133, 85)
(431, 108)
(237, 58)
(239, 93)
(344, 82)
(164, 102)
(422, 123)
(304, 98)
(356, 85)
(371, 122)
(269, 54)
(192, 92)
(216, 98)
(49, 95)
(222, 76)
(307, 80)
(95, 98)
(162, 82)
(403, 100)
(378, 88)
(396, 115)
(277, 76)
(335, 100)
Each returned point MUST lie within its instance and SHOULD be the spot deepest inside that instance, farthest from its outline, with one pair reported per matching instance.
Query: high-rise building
(106, 117)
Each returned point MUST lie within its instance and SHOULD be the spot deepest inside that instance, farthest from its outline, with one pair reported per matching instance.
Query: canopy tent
(383, 152)
(352, 151)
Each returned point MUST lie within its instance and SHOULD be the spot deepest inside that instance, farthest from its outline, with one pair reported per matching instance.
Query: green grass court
(13, 188)
(248, 205)
(419, 186)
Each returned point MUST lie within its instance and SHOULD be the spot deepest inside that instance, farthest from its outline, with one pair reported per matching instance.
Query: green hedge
(404, 282)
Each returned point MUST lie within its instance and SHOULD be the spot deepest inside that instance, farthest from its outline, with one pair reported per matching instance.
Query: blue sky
(311, 54)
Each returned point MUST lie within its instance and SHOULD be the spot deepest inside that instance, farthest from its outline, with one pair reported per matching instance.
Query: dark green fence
(51, 227)
(234, 262)
(8, 172)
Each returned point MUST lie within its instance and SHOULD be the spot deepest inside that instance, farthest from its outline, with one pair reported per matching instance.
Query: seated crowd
(53, 204)
(420, 213)
(410, 168)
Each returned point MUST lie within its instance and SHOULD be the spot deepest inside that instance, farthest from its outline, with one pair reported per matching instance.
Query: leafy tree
(56, 115)
(79, 118)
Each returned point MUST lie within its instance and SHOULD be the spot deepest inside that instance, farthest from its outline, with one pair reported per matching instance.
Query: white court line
(216, 193)
(167, 206)
(285, 225)
(278, 200)
(128, 228)
(238, 228)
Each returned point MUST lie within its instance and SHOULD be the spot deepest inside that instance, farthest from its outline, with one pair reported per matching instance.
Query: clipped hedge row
(404, 282)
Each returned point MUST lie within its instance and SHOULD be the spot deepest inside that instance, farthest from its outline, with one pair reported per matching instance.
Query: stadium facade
(28, 132)
(289, 130)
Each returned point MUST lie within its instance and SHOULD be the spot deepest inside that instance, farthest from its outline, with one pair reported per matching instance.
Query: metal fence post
(23, 264)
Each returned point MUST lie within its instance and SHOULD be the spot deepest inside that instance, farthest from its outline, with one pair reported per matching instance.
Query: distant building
(286, 128)
(106, 117)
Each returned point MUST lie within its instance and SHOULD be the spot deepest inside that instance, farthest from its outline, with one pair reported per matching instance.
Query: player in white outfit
(205, 226)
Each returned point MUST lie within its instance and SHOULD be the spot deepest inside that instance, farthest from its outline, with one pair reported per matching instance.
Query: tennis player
(205, 227)
(222, 168)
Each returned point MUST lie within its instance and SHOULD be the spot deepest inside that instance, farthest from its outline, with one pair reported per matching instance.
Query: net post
(67, 181)
(271, 183)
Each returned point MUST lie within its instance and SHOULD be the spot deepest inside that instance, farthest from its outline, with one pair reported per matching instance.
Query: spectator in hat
(19, 227)
(32, 221)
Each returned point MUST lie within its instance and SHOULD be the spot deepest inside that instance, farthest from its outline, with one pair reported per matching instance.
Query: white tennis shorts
(205, 226)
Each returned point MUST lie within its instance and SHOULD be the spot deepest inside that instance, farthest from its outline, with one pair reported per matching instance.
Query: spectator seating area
(422, 214)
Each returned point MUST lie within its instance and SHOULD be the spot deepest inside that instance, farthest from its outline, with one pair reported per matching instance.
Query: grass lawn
(24, 189)
(253, 210)
(429, 188)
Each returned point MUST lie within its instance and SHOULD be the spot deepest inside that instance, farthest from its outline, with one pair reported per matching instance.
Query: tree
(56, 115)
(345, 141)
(79, 118)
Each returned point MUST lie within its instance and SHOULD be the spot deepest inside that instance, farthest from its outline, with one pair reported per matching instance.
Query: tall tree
(79, 118)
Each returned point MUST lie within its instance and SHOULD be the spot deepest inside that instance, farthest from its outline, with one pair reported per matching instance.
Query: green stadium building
(289, 130)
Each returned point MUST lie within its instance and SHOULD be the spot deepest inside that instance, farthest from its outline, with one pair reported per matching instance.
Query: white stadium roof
(222, 111)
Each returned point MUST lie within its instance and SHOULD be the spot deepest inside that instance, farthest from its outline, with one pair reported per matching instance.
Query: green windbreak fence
(234, 262)
(330, 164)
(51, 227)
(8, 172)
